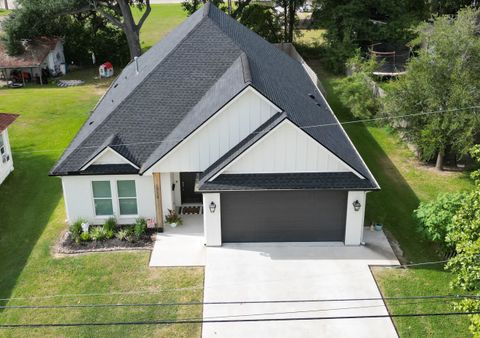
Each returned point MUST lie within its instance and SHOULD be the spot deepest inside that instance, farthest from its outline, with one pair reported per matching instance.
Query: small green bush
(140, 227)
(76, 230)
(123, 234)
(85, 237)
(109, 234)
(98, 233)
(110, 224)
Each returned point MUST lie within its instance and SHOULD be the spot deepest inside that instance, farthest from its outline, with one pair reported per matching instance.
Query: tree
(262, 20)
(191, 6)
(451, 7)
(435, 218)
(356, 90)
(83, 33)
(444, 77)
(289, 17)
(117, 12)
(353, 24)
(465, 234)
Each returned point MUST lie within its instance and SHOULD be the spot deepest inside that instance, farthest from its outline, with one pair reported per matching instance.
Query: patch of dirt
(67, 245)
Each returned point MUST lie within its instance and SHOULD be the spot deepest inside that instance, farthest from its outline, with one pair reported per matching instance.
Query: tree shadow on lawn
(28, 197)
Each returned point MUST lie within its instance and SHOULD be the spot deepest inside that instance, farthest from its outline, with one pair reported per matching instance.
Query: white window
(102, 197)
(127, 197)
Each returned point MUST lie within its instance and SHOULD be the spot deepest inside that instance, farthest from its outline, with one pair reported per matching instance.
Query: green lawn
(4, 12)
(405, 182)
(32, 218)
(310, 36)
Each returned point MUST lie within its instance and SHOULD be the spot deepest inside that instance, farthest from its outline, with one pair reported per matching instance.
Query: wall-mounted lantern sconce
(212, 207)
(356, 205)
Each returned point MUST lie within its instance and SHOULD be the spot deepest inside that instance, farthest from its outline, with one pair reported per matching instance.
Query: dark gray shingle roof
(189, 75)
(287, 181)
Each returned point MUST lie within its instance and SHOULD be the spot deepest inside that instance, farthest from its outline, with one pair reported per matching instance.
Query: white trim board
(109, 151)
(287, 148)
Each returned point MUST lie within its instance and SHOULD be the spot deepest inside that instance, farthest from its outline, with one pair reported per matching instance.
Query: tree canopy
(443, 78)
(352, 24)
(33, 18)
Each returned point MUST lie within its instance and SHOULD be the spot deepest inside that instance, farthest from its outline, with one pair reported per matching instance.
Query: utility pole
(229, 7)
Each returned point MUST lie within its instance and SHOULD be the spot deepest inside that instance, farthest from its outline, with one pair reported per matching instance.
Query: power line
(422, 263)
(202, 321)
(301, 127)
(286, 301)
(149, 292)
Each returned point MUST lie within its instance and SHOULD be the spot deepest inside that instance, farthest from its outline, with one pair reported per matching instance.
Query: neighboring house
(43, 54)
(6, 160)
(214, 115)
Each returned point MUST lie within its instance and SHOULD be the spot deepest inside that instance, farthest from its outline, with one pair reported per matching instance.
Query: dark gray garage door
(283, 216)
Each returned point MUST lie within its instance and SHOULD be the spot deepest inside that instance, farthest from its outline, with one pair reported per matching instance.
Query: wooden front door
(187, 184)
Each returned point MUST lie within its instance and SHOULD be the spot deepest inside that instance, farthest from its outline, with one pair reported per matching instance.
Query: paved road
(269, 271)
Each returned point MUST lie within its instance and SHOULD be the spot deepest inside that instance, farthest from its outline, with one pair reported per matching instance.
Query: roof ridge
(112, 86)
(247, 75)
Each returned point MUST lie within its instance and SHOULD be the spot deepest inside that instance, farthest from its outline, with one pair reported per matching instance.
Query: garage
(283, 216)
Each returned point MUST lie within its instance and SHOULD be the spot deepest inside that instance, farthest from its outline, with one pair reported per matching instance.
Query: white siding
(7, 167)
(286, 149)
(109, 157)
(355, 219)
(212, 222)
(77, 191)
(221, 133)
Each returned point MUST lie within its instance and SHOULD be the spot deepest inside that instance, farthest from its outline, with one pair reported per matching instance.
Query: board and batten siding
(286, 149)
(222, 132)
(78, 195)
(109, 157)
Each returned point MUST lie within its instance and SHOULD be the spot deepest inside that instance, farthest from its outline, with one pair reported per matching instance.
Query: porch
(183, 245)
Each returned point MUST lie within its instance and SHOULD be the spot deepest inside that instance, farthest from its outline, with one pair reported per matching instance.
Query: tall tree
(352, 24)
(442, 7)
(445, 76)
(117, 12)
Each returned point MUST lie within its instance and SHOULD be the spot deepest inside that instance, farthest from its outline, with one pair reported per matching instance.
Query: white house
(216, 119)
(41, 56)
(6, 159)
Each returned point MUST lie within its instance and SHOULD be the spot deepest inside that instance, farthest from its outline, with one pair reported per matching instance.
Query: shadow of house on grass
(28, 198)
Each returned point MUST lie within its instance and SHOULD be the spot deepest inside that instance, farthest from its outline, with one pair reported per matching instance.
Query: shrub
(76, 230)
(356, 90)
(123, 234)
(436, 217)
(110, 225)
(98, 234)
(109, 234)
(140, 228)
(85, 237)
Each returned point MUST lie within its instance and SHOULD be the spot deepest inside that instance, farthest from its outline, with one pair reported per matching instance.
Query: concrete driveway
(296, 271)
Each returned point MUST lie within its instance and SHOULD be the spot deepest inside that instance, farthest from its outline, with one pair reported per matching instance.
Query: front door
(187, 183)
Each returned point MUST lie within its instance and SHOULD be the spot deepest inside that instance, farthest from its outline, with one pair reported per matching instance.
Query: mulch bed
(68, 246)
